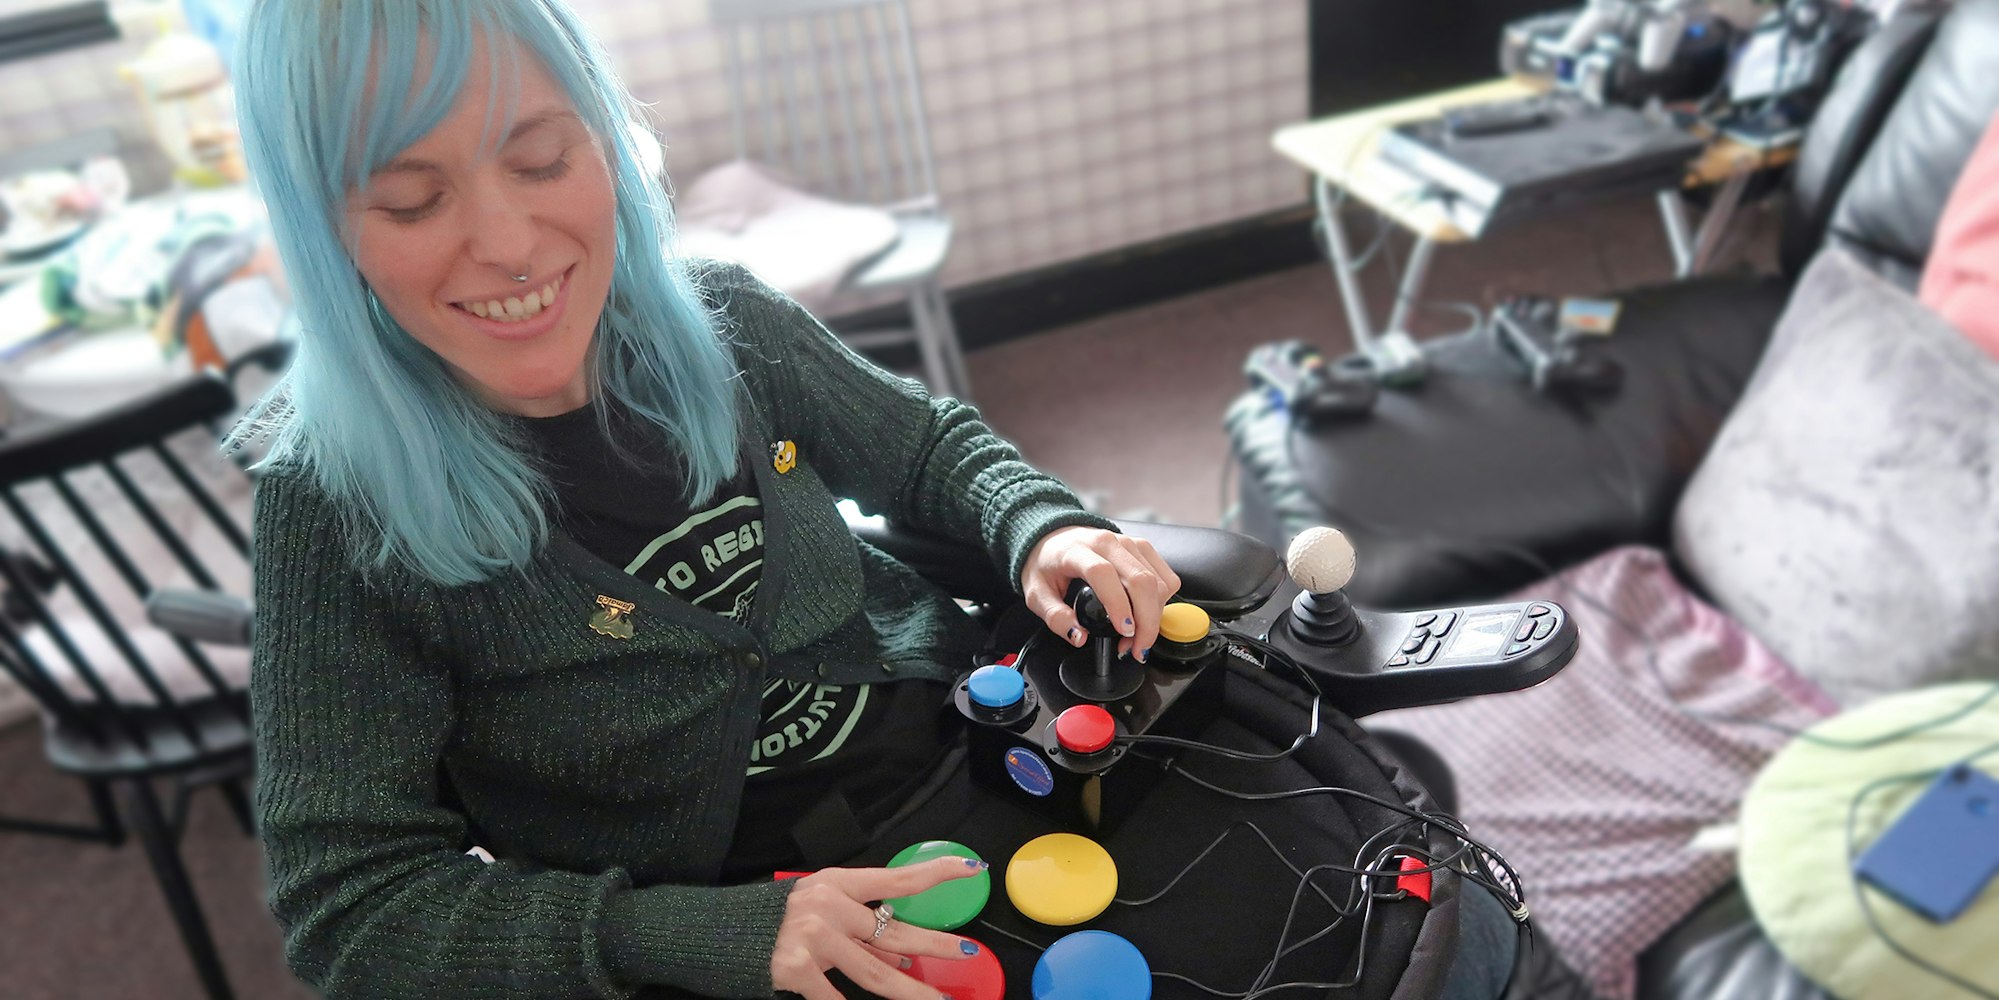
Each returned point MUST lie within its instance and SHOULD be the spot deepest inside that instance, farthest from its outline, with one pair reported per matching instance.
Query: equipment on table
(1498, 161)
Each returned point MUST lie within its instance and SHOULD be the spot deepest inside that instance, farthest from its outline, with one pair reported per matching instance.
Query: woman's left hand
(1125, 572)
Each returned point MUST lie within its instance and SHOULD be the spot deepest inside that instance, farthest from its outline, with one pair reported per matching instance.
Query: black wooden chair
(98, 515)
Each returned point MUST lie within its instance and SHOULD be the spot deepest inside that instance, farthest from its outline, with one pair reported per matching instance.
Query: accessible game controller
(1052, 727)
(1058, 880)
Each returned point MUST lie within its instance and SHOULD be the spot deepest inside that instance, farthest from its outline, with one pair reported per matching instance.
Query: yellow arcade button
(1061, 879)
(1182, 622)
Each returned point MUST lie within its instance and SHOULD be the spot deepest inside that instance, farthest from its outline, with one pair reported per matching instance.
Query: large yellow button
(1184, 623)
(1061, 879)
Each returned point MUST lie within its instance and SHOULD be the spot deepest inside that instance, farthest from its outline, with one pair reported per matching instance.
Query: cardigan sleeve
(882, 441)
(365, 864)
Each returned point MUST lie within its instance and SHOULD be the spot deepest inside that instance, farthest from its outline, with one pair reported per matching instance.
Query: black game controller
(1052, 727)
(1558, 361)
(1296, 378)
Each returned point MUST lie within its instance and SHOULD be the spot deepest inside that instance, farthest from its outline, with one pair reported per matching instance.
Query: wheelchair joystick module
(1366, 661)
(1053, 728)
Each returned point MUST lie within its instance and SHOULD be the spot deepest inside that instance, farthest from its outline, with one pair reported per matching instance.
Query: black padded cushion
(1225, 573)
(1888, 214)
(1475, 456)
(1718, 952)
(1843, 129)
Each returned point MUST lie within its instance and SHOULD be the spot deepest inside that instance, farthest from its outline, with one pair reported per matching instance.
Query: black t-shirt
(866, 742)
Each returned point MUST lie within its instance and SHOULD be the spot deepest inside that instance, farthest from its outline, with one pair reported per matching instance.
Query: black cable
(1235, 639)
(1511, 895)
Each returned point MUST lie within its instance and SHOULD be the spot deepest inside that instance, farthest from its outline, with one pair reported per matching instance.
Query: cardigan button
(822, 669)
(751, 660)
(887, 667)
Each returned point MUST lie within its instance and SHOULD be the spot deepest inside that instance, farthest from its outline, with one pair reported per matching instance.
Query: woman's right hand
(828, 924)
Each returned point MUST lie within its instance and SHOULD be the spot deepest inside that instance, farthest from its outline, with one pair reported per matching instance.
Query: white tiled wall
(1062, 127)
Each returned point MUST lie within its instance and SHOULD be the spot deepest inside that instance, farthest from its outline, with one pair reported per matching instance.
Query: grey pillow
(1848, 512)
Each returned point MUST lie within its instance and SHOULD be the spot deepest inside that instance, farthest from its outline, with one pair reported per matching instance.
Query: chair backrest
(96, 514)
(829, 91)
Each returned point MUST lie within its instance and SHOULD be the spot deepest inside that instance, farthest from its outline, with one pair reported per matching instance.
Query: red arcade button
(1085, 729)
(976, 978)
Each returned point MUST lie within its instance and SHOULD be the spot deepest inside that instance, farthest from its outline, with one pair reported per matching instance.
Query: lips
(516, 308)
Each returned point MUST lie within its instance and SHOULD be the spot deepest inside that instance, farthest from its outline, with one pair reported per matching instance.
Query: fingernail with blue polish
(969, 947)
(1143, 653)
(974, 863)
(905, 963)
(1127, 621)
(1072, 633)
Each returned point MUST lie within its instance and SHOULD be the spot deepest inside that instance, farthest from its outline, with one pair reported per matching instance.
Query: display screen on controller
(1481, 635)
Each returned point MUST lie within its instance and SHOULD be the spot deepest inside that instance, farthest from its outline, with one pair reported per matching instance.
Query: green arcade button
(946, 906)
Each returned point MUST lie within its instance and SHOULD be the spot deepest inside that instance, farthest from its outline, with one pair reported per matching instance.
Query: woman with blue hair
(547, 556)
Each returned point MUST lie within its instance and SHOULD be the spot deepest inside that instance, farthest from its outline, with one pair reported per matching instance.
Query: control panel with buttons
(1455, 653)
(1051, 726)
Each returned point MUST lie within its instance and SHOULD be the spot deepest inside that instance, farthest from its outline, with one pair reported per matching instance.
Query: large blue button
(997, 687)
(1092, 965)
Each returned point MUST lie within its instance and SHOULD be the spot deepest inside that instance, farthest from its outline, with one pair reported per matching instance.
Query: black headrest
(1888, 213)
(1844, 127)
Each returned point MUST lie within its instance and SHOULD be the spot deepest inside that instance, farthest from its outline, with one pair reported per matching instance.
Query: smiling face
(441, 231)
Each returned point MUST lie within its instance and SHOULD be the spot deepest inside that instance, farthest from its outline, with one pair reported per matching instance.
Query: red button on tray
(1084, 729)
(976, 978)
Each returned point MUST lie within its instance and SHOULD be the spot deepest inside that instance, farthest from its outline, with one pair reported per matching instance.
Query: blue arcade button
(1092, 965)
(996, 687)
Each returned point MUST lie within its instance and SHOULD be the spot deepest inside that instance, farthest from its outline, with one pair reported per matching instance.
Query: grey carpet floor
(1127, 408)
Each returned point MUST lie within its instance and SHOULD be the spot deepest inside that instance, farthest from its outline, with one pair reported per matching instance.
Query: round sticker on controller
(1030, 772)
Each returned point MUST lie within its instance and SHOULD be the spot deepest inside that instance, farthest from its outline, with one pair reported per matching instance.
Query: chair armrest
(201, 615)
(1226, 574)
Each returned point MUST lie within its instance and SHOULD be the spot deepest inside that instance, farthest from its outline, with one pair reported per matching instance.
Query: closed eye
(550, 172)
(417, 214)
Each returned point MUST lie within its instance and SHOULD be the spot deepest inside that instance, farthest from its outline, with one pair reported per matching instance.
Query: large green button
(946, 906)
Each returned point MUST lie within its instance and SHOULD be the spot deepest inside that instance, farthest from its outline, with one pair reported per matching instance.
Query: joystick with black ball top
(1107, 676)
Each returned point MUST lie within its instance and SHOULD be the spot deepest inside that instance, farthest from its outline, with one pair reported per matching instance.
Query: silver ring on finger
(883, 914)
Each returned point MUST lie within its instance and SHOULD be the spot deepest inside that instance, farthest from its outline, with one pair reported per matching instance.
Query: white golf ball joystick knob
(1320, 560)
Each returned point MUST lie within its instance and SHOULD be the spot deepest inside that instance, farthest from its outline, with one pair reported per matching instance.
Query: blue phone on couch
(1940, 854)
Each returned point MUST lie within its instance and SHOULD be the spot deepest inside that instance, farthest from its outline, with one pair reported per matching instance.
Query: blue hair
(425, 474)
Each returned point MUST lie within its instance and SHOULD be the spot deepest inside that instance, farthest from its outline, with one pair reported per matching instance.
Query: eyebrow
(412, 165)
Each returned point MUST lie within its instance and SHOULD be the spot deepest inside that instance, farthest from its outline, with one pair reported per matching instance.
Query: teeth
(513, 310)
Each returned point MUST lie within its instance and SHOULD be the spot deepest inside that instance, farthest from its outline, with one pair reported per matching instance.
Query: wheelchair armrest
(1226, 574)
(201, 615)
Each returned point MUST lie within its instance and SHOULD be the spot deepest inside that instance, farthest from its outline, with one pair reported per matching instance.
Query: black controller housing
(1091, 793)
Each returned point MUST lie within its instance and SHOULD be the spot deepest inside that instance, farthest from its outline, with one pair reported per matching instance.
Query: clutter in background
(799, 242)
(182, 83)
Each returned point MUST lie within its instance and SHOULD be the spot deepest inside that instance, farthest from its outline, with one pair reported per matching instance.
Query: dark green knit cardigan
(399, 722)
